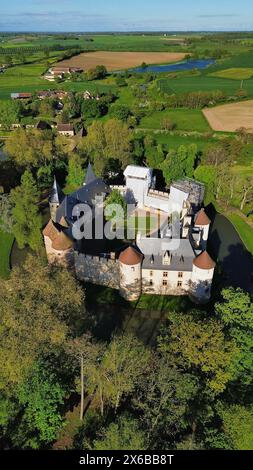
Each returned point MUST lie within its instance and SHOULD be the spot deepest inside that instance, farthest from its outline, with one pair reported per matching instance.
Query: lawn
(245, 230)
(184, 119)
(6, 241)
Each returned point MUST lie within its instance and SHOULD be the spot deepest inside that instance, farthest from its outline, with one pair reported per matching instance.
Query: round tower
(130, 261)
(202, 277)
(203, 222)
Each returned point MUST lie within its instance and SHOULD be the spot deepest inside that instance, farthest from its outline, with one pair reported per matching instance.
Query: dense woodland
(193, 390)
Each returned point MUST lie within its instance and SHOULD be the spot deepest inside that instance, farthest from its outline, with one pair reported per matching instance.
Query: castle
(170, 260)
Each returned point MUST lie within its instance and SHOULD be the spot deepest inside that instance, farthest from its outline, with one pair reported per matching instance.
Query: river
(226, 246)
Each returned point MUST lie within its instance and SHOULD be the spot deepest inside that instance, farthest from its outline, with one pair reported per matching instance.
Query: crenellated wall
(97, 270)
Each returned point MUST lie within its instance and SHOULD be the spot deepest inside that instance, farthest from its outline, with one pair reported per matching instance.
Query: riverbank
(244, 230)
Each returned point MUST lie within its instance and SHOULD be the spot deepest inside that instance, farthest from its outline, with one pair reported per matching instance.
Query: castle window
(151, 282)
(179, 284)
(133, 268)
(151, 273)
(165, 282)
(180, 274)
(165, 274)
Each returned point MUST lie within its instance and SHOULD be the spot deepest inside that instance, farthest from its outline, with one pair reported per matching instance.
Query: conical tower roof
(202, 218)
(90, 176)
(56, 196)
(204, 261)
(130, 256)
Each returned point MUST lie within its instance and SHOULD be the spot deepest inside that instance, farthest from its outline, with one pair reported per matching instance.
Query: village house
(171, 260)
(89, 96)
(21, 96)
(61, 72)
(66, 129)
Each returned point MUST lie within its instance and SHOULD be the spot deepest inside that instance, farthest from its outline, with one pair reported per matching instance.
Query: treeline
(34, 49)
(197, 99)
(169, 396)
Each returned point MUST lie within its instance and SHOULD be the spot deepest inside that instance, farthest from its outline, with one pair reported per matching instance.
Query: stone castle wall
(97, 270)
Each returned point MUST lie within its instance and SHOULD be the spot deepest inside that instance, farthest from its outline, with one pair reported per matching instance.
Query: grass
(245, 230)
(173, 141)
(234, 73)
(203, 83)
(163, 303)
(6, 241)
(28, 78)
(185, 119)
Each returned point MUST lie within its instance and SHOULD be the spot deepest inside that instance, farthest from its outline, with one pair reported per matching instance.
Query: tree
(75, 176)
(122, 364)
(42, 395)
(30, 147)
(86, 352)
(117, 140)
(107, 141)
(237, 424)
(154, 153)
(179, 163)
(198, 343)
(121, 112)
(6, 218)
(124, 434)
(247, 192)
(215, 154)
(93, 109)
(236, 313)
(116, 198)
(10, 113)
(40, 306)
(47, 107)
(27, 220)
(163, 397)
(208, 175)
(99, 72)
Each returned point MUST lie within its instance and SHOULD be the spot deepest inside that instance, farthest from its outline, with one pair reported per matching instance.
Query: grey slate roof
(181, 251)
(56, 195)
(83, 195)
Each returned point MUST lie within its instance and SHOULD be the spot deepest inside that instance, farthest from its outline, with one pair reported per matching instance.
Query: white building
(171, 261)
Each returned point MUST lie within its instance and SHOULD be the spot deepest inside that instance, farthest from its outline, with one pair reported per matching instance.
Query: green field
(245, 230)
(27, 78)
(234, 73)
(6, 241)
(173, 140)
(203, 83)
(185, 119)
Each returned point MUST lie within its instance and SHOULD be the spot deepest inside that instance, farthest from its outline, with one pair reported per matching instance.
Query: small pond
(186, 65)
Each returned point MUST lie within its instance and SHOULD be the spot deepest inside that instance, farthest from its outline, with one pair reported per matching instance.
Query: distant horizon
(161, 31)
(131, 16)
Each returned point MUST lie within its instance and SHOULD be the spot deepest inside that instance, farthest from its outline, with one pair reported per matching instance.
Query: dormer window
(166, 257)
